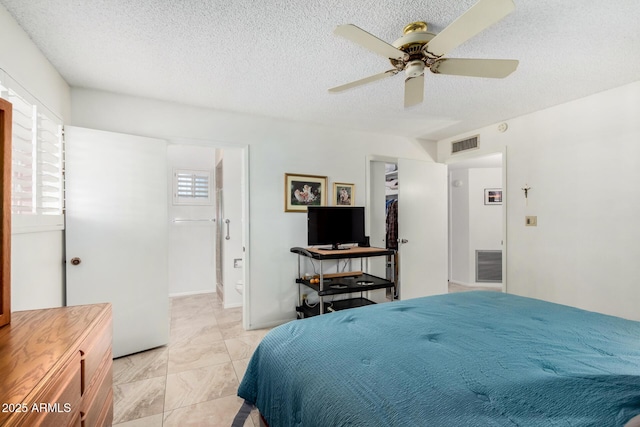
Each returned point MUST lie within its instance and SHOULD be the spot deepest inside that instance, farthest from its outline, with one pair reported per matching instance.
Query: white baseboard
(237, 304)
(476, 285)
(270, 324)
(184, 294)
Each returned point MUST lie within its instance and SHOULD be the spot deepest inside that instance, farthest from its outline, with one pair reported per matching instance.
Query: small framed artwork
(493, 196)
(344, 194)
(301, 191)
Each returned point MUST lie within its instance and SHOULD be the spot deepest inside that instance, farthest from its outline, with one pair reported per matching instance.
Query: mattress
(463, 359)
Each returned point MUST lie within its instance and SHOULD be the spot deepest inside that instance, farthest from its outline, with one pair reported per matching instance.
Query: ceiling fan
(419, 49)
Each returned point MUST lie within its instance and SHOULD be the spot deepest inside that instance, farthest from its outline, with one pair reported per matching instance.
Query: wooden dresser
(56, 367)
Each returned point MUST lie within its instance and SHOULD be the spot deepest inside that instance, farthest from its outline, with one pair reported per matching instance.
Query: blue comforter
(464, 359)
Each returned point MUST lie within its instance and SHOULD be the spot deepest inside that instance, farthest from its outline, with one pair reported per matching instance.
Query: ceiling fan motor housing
(414, 38)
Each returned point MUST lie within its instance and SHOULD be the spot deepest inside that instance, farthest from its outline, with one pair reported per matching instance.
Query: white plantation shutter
(191, 187)
(49, 169)
(23, 155)
(37, 177)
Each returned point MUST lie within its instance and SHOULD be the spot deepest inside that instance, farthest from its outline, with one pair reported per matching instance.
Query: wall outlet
(531, 221)
(237, 263)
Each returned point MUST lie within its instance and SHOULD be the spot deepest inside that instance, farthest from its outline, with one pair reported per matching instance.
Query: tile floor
(193, 380)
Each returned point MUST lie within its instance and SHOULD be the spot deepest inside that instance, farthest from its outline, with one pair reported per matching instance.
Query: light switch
(531, 221)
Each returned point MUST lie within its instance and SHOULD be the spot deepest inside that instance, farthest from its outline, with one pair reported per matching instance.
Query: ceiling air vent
(465, 144)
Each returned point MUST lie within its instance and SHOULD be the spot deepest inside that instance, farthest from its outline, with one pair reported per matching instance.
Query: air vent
(465, 144)
(489, 266)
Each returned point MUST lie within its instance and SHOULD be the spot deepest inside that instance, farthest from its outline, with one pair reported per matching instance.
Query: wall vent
(465, 144)
(489, 266)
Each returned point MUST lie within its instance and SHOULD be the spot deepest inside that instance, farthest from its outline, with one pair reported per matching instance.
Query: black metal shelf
(345, 285)
(305, 311)
(340, 283)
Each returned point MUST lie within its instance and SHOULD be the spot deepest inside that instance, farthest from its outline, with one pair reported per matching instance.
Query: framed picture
(493, 196)
(344, 194)
(301, 191)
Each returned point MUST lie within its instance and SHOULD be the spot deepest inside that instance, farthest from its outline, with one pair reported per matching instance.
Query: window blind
(192, 187)
(37, 180)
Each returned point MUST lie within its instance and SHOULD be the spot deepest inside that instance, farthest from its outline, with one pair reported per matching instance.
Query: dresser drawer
(51, 361)
(99, 395)
(105, 419)
(94, 349)
(59, 404)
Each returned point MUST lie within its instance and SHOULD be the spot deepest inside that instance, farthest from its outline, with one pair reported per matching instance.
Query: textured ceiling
(278, 58)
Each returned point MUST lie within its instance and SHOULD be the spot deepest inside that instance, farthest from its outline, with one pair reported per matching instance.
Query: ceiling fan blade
(364, 81)
(491, 68)
(480, 16)
(369, 41)
(413, 91)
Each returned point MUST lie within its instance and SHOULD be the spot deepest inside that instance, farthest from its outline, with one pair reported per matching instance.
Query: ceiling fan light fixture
(414, 68)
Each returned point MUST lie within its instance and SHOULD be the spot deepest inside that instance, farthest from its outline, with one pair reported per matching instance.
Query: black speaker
(365, 243)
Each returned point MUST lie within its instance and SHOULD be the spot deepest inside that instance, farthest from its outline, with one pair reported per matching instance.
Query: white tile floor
(193, 380)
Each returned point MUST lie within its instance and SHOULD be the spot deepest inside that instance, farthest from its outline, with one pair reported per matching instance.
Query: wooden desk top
(351, 252)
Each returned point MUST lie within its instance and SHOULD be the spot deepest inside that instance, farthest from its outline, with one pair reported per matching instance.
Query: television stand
(333, 284)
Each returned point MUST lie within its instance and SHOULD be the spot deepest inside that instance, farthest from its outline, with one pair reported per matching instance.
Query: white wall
(275, 148)
(37, 268)
(582, 162)
(191, 242)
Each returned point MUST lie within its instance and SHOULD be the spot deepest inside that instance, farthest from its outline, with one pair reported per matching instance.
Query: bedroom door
(117, 232)
(422, 228)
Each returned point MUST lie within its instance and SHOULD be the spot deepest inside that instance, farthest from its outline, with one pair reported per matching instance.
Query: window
(191, 187)
(37, 180)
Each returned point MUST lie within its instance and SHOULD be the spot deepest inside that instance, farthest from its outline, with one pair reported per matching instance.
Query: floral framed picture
(301, 191)
(344, 194)
(493, 196)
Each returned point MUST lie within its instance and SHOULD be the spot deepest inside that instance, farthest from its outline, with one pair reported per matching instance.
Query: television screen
(335, 225)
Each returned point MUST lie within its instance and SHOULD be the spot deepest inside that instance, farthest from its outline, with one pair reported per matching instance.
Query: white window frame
(192, 199)
(45, 166)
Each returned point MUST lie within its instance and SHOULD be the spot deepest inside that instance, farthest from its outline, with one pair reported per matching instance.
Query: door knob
(75, 261)
(404, 241)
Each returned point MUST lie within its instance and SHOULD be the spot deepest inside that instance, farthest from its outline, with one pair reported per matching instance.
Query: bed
(463, 359)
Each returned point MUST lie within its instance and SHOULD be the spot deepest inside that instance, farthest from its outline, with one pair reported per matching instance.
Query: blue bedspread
(464, 359)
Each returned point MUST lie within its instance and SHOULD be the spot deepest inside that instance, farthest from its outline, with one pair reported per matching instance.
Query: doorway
(477, 254)
(422, 222)
(206, 250)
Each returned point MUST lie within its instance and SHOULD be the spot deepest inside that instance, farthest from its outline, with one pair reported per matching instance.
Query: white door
(422, 228)
(117, 232)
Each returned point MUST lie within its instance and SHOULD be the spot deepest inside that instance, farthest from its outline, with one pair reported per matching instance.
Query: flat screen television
(335, 225)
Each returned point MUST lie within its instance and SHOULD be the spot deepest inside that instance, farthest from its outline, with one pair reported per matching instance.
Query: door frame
(375, 265)
(244, 184)
(476, 155)
(367, 177)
